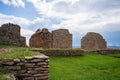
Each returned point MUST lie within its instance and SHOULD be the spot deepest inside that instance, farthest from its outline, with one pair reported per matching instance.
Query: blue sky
(79, 16)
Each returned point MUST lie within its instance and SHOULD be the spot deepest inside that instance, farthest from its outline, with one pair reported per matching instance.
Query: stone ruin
(23, 41)
(93, 41)
(41, 38)
(60, 38)
(10, 35)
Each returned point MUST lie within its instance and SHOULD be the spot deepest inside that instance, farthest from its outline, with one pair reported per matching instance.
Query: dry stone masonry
(60, 38)
(23, 41)
(10, 34)
(93, 41)
(41, 38)
(28, 68)
(60, 52)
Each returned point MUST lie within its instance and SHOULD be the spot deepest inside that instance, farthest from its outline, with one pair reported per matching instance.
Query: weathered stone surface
(93, 41)
(58, 52)
(22, 41)
(107, 51)
(41, 38)
(10, 35)
(28, 68)
(61, 39)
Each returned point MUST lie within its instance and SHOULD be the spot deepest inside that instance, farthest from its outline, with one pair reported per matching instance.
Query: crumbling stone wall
(41, 38)
(93, 41)
(58, 52)
(10, 35)
(61, 38)
(28, 68)
(23, 41)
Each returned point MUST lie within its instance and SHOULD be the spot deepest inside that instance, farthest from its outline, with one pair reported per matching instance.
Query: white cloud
(26, 32)
(80, 15)
(15, 3)
(9, 18)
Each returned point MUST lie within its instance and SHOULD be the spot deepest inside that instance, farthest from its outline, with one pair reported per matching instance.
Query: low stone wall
(108, 51)
(28, 68)
(61, 52)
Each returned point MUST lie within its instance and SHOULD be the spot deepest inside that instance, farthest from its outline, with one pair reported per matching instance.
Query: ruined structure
(93, 41)
(23, 41)
(10, 34)
(28, 68)
(61, 39)
(41, 38)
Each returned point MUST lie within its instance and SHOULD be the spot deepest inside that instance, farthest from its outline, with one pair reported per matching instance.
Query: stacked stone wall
(28, 68)
(60, 52)
(108, 51)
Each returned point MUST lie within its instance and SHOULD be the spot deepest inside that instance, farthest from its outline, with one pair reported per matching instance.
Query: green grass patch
(87, 67)
(19, 53)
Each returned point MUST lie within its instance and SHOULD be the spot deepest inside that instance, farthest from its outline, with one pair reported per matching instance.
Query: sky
(79, 16)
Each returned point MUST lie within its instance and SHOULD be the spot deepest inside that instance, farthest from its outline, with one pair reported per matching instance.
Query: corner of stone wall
(28, 68)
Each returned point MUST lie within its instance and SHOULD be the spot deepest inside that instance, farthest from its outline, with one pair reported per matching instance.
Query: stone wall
(93, 41)
(60, 52)
(10, 34)
(108, 51)
(23, 41)
(28, 68)
(41, 38)
(61, 39)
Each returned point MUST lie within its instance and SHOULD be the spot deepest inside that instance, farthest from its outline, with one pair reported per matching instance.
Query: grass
(19, 53)
(87, 67)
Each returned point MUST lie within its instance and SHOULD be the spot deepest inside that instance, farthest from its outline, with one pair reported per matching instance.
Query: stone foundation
(108, 51)
(60, 52)
(28, 68)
